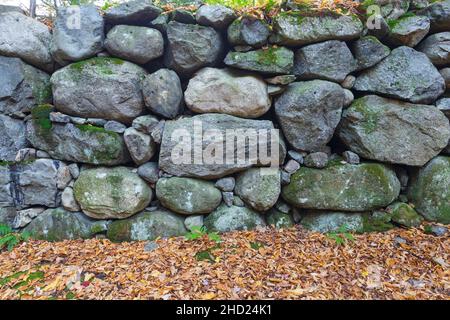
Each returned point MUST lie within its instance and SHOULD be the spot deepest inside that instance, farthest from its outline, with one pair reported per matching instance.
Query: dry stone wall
(355, 120)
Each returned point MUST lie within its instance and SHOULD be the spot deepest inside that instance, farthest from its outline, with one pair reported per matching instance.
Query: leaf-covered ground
(263, 264)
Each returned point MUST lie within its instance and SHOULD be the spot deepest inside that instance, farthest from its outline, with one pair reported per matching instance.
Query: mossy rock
(403, 214)
(225, 219)
(279, 219)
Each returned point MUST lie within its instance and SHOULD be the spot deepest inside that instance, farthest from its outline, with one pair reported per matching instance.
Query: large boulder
(22, 87)
(135, 12)
(147, 226)
(396, 76)
(404, 215)
(59, 225)
(106, 88)
(437, 48)
(12, 137)
(215, 153)
(271, 60)
(309, 112)
(330, 60)
(32, 183)
(345, 187)
(78, 143)
(439, 15)
(191, 47)
(163, 94)
(368, 51)
(79, 38)
(25, 38)
(216, 16)
(408, 31)
(259, 188)
(227, 91)
(187, 195)
(225, 219)
(136, 44)
(429, 190)
(111, 193)
(248, 31)
(294, 29)
(392, 131)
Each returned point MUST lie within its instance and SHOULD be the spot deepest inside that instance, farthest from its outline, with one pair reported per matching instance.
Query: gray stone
(297, 156)
(145, 124)
(293, 29)
(445, 73)
(291, 166)
(173, 153)
(115, 126)
(12, 137)
(396, 76)
(79, 38)
(149, 172)
(6, 8)
(283, 207)
(309, 112)
(439, 14)
(7, 214)
(63, 177)
(316, 160)
(228, 198)
(279, 219)
(68, 200)
(22, 87)
(74, 170)
(42, 154)
(147, 226)
(187, 195)
(285, 177)
(350, 157)
(78, 143)
(136, 44)
(227, 91)
(225, 219)
(248, 31)
(25, 38)
(275, 60)
(238, 202)
(183, 16)
(259, 187)
(429, 190)
(369, 51)
(349, 97)
(226, 184)
(59, 225)
(409, 31)
(106, 88)
(345, 187)
(443, 104)
(140, 145)
(281, 80)
(157, 132)
(150, 246)
(59, 117)
(24, 217)
(404, 215)
(391, 131)
(216, 16)
(26, 154)
(96, 122)
(111, 193)
(325, 222)
(437, 48)
(163, 94)
(329, 60)
(160, 23)
(438, 231)
(191, 47)
(136, 12)
(348, 82)
(193, 221)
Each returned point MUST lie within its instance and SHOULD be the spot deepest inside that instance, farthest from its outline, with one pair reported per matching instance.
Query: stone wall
(89, 109)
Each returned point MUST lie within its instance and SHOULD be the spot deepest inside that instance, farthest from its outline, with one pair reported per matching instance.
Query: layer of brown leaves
(286, 264)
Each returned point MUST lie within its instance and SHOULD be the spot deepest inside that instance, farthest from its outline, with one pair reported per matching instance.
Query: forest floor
(262, 264)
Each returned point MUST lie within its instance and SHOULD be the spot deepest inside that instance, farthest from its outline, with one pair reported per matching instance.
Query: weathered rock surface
(163, 94)
(136, 12)
(309, 112)
(147, 226)
(105, 88)
(227, 91)
(58, 225)
(391, 131)
(397, 76)
(111, 193)
(79, 38)
(293, 29)
(176, 150)
(429, 190)
(24, 217)
(272, 60)
(330, 60)
(188, 196)
(279, 219)
(12, 137)
(343, 187)
(225, 219)
(439, 15)
(404, 215)
(140, 145)
(22, 87)
(216, 16)
(248, 31)
(25, 38)
(79, 143)
(437, 48)
(259, 188)
(368, 51)
(408, 31)
(135, 44)
(149, 172)
(191, 47)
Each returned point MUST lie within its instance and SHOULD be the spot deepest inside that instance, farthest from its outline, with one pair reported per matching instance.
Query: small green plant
(257, 245)
(198, 232)
(428, 229)
(205, 255)
(341, 236)
(9, 239)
